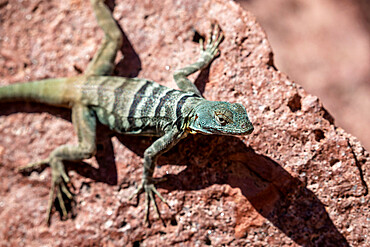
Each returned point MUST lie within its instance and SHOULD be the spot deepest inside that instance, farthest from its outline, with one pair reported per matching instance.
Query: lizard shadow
(130, 64)
(280, 198)
(202, 79)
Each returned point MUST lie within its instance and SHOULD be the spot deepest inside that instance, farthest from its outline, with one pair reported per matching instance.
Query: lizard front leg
(206, 57)
(84, 122)
(160, 146)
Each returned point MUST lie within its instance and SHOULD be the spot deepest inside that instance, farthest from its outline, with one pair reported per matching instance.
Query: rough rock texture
(298, 180)
(325, 46)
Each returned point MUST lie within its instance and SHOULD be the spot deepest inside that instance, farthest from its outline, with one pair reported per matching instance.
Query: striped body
(137, 106)
(126, 105)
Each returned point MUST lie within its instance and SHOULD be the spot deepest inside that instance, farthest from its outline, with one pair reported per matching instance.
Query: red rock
(324, 45)
(297, 180)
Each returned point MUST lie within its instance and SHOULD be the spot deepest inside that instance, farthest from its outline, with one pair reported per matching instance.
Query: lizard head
(222, 118)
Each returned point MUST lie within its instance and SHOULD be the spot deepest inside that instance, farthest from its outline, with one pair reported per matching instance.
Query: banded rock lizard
(130, 106)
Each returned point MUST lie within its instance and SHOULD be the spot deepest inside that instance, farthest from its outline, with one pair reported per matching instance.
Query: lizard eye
(222, 119)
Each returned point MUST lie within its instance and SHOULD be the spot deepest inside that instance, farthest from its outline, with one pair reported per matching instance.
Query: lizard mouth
(249, 131)
(227, 131)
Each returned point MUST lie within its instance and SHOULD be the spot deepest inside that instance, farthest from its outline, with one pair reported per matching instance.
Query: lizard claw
(150, 191)
(59, 191)
(59, 184)
(214, 39)
(59, 188)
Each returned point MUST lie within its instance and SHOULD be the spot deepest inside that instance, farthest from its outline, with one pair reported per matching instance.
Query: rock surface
(298, 180)
(325, 46)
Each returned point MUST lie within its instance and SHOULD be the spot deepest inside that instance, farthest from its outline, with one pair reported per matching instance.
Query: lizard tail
(50, 91)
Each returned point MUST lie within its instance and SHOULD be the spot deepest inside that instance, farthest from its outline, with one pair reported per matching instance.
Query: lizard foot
(59, 184)
(59, 188)
(150, 191)
(214, 39)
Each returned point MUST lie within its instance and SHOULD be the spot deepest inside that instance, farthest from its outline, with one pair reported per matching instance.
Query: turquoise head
(221, 118)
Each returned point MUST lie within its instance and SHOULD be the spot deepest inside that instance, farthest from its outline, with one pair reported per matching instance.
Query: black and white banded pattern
(136, 106)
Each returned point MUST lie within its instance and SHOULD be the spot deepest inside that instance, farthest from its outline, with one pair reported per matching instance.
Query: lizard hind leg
(84, 122)
(59, 183)
(59, 188)
(103, 61)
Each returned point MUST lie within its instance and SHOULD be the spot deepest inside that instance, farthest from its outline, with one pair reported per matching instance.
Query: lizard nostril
(247, 127)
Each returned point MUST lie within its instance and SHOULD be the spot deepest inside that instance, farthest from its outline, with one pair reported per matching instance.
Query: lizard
(131, 106)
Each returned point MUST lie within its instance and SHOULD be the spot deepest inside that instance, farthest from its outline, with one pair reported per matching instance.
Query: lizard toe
(37, 166)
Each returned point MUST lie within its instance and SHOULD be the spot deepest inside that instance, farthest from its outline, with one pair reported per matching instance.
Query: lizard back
(136, 106)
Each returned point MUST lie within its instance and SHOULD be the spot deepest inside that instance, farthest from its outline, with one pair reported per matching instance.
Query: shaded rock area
(297, 180)
(325, 46)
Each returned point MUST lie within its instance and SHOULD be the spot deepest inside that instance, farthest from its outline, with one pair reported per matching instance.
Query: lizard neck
(189, 114)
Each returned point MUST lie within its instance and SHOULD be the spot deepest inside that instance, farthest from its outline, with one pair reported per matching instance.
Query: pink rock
(280, 186)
